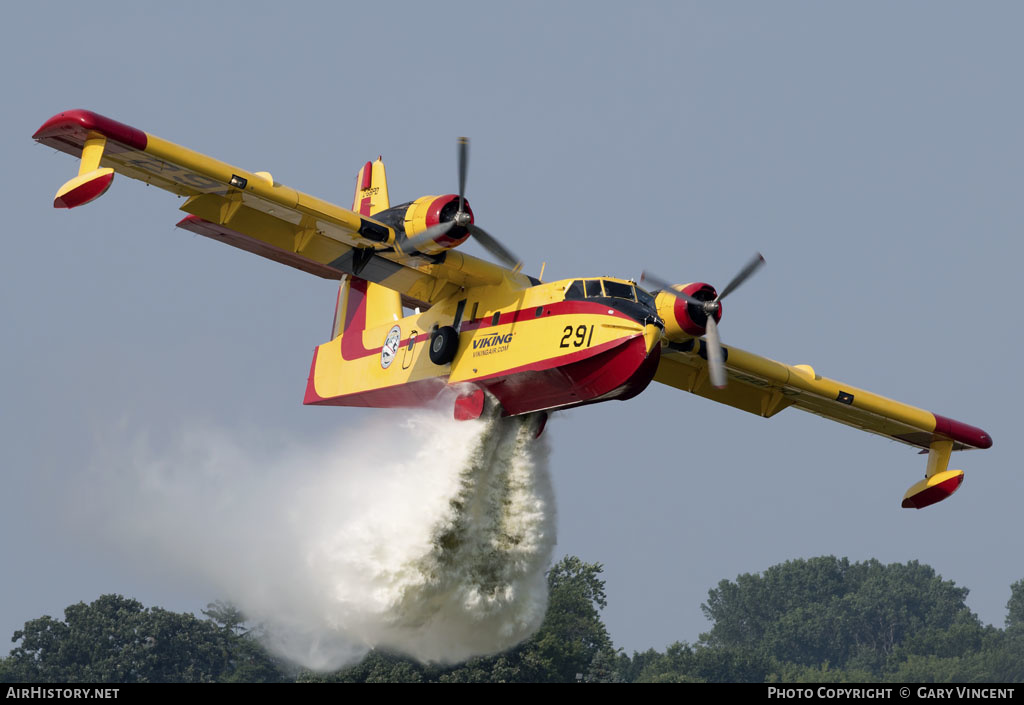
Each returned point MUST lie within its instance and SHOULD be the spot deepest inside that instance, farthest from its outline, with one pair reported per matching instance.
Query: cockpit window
(645, 298)
(593, 288)
(604, 289)
(618, 290)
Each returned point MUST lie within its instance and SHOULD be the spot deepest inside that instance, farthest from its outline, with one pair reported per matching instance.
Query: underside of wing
(765, 387)
(253, 212)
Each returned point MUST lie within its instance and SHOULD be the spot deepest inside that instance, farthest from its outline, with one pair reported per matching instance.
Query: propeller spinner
(716, 365)
(464, 219)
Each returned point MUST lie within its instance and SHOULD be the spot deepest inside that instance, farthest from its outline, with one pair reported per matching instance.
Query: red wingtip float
(933, 489)
(477, 326)
(83, 188)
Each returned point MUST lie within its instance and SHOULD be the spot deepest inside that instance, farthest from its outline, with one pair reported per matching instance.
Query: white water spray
(429, 536)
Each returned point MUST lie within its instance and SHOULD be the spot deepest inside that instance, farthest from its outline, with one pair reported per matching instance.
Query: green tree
(250, 661)
(823, 673)
(572, 633)
(117, 640)
(572, 639)
(571, 636)
(1003, 660)
(677, 665)
(376, 667)
(630, 668)
(684, 663)
(1015, 607)
(7, 675)
(228, 616)
(817, 620)
(856, 615)
(604, 668)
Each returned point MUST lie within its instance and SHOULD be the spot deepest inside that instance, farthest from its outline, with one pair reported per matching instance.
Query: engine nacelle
(432, 210)
(683, 320)
(415, 217)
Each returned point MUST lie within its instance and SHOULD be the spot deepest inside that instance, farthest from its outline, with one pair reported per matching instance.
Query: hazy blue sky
(872, 151)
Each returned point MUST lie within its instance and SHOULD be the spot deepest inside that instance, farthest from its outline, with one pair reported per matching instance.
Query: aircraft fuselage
(550, 346)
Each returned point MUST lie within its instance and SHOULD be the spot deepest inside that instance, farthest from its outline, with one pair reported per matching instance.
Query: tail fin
(371, 189)
(382, 304)
(362, 305)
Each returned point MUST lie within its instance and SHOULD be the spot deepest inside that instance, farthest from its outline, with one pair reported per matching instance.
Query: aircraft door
(407, 357)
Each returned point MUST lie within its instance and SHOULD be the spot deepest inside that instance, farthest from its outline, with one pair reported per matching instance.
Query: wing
(251, 211)
(765, 387)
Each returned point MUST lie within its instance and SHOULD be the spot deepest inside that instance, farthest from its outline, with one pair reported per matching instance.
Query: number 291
(575, 337)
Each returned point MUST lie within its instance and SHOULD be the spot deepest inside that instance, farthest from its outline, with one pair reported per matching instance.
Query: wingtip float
(480, 327)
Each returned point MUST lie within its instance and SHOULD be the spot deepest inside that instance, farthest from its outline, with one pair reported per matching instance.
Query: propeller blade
(463, 168)
(667, 288)
(716, 368)
(494, 247)
(751, 267)
(414, 243)
(712, 345)
(463, 219)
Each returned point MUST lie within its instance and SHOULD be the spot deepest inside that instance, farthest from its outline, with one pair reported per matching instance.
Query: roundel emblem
(390, 348)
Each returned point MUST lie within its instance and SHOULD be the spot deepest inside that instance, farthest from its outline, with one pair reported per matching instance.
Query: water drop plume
(414, 533)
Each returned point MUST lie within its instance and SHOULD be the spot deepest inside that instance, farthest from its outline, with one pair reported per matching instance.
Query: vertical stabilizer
(371, 189)
(383, 305)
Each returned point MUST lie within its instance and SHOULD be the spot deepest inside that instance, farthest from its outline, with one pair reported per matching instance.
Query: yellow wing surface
(765, 387)
(252, 211)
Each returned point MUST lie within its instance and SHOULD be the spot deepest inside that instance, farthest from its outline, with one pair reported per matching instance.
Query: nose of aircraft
(652, 336)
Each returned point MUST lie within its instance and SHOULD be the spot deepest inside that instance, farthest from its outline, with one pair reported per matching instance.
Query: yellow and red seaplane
(415, 316)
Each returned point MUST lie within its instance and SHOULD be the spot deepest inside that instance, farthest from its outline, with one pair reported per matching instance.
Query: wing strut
(92, 181)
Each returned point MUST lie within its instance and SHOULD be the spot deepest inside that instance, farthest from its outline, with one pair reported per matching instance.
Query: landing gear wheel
(443, 344)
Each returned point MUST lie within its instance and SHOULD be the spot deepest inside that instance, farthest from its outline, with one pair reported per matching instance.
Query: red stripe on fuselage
(620, 370)
(352, 347)
(548, 362)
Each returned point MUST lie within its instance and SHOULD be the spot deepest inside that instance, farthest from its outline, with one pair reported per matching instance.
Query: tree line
(816, 620)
